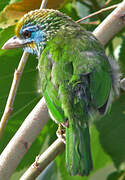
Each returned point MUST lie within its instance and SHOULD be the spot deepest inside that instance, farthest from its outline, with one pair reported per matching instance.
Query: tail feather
(78, 154)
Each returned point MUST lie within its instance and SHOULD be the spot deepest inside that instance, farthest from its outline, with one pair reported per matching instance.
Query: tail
(78, 154)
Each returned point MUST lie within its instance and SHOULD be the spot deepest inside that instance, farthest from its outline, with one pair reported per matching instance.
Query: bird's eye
(26, 34)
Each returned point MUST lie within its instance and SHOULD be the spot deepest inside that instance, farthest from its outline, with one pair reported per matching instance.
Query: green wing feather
(53, 103)
(100, 87)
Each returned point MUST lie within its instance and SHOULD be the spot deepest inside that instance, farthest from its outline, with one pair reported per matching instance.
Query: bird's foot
(61, 133)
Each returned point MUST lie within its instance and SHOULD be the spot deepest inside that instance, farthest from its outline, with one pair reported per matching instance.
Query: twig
(98, 12)
(43, 4)
(43, 161)
(11, 97)
(107, 2)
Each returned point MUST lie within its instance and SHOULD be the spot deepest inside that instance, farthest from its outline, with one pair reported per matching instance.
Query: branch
(43, 4)
(111, 25)
(42, 162)
(107, 2)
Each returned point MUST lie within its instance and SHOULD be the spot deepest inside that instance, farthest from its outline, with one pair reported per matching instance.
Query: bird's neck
(51, 27)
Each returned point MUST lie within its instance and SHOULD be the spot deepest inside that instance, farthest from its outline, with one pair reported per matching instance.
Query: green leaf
(112, 132)
(3, 4)
(116, 176)
(103, 173)
(70, 10)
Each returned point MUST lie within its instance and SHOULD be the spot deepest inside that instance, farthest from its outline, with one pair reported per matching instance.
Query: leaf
(112, 132)
(103, 173)
(3, 4)
(13, 12)
(116, 176)
(70, 10)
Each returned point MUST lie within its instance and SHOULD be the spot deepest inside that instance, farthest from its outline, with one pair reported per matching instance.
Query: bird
(78, 80)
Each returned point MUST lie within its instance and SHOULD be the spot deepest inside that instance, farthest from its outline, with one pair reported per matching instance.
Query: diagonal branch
(42, 162)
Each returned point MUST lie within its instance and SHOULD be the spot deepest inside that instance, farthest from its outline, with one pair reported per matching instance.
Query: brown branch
(42, 161)
(107, 2)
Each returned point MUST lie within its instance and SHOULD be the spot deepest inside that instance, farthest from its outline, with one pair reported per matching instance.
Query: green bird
(78, 81)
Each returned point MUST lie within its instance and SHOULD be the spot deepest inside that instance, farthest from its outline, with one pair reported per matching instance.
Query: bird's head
(35, 29)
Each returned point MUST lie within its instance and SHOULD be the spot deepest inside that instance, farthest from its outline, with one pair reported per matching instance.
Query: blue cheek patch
(37, 36)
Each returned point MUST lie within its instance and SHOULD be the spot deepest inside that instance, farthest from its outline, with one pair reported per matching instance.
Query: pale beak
(14, 42)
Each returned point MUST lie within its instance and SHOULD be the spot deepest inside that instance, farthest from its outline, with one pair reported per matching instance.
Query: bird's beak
(14, 42)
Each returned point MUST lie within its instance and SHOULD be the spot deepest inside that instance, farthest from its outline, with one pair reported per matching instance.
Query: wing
(51, 73)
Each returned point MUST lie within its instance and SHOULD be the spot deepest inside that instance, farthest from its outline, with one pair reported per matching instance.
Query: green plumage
(77, 79)
(76, 75)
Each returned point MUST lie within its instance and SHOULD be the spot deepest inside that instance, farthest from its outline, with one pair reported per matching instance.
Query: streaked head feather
(33, 17)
